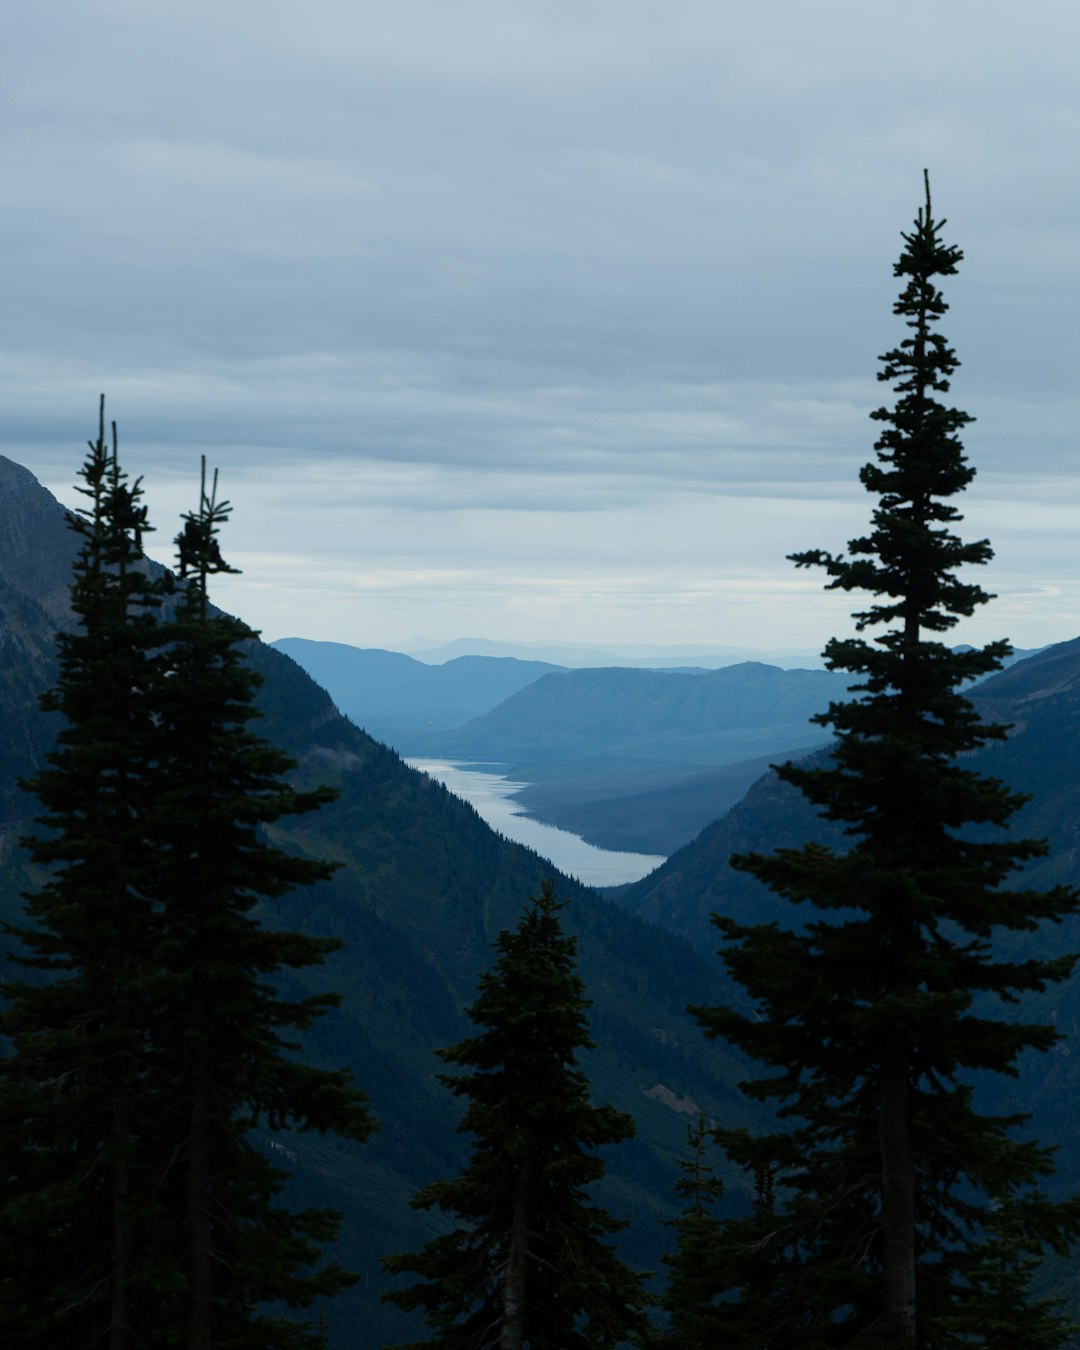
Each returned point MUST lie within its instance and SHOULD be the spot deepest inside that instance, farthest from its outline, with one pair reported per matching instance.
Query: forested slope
(424, 888)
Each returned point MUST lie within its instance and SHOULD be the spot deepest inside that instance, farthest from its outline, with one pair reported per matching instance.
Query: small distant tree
(698, 1267)
(865, 1018)
(1000, 1311)
(530, 1265)
(722, 1270)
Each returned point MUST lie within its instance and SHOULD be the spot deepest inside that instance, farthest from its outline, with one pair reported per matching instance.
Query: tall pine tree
(149, 1037)
(224, 1035)
(531, 1264)
(70, 1088)
(866, 1016)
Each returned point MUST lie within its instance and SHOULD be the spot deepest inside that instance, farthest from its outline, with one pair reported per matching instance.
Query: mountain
(1038, 696)
(658, 820)
(640, 759)
(678, 720)
(641, 656)
(396, 698)
(423, 889)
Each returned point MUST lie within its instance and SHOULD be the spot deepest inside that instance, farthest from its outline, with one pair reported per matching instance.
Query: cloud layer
(542, 319)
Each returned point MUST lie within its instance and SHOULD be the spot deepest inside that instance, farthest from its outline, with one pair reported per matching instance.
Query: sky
(541, 319)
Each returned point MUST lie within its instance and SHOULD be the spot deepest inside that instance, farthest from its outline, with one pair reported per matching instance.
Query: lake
(492, 795)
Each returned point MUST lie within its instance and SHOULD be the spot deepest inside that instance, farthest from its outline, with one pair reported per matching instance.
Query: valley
(664, 762)
(630, 759)
(423, 888)
(496, 799)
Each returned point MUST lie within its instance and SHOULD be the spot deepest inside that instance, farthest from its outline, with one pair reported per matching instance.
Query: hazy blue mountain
(1039, 696)
(423, 890)
(640, 759)
(397, 699)
(706, 719)
(642, 656)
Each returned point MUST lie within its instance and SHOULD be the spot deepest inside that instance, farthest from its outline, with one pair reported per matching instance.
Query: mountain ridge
(393, 696)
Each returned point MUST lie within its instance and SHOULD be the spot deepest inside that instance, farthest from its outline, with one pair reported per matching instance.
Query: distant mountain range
(640, 759)
(706, 719)
(632, 759)
(423, 890)
(648, 656)
(400, 700)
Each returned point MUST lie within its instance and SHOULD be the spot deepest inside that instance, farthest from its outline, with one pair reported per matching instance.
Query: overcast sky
(541, 318)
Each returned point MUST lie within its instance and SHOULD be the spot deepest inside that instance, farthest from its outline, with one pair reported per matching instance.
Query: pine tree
(224, 1033)
(530, 1265)
(867, 1015)
(70, 1087)
(1001, 1312)
(697, 1265)
(716, 1257)
(149, 1037)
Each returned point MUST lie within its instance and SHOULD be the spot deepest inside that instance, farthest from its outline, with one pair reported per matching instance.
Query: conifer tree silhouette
(530, 1264)
(70, 1088)
(149, 1037)
(865, 1015)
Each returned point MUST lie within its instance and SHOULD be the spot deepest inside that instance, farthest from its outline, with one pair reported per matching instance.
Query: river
(493, 794)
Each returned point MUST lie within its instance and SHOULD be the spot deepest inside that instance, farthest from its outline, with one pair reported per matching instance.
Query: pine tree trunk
(198, 1181)
(123, 1238)
(513, 1319)
(898, 1189)
(894, 1136)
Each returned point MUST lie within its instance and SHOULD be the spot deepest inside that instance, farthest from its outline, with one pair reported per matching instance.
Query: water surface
(492, 794)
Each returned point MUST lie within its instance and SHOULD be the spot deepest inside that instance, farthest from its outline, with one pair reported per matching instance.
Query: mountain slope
(1039, 697)
(658, 818)
(423, 889)
(640, 759)
(710, 718)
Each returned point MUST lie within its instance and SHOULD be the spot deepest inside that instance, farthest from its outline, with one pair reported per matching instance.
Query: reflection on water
(493, 797)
